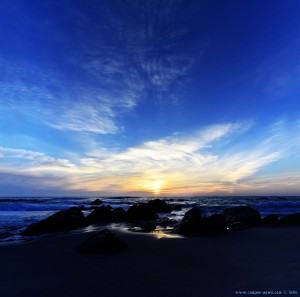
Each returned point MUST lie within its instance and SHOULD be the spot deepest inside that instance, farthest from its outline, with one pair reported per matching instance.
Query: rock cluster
(241, 217)
(61, 221)
(73, 218)
(194, 224)
(145, 217)
(141, 211)
(233, 218)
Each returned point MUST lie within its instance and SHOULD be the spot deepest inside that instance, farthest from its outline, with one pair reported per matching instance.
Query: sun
(156, 187)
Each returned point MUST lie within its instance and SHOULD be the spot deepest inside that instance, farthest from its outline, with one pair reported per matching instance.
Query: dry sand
(261, 259)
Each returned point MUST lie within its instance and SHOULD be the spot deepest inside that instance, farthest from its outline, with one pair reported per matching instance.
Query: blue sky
(132, 97)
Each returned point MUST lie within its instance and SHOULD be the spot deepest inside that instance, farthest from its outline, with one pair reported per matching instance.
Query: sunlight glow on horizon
(156, 187)
(193, 167)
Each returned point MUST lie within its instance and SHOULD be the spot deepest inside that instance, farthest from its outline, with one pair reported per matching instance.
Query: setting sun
(156, 187)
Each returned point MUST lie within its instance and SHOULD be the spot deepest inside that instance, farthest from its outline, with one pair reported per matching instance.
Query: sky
(149, 97)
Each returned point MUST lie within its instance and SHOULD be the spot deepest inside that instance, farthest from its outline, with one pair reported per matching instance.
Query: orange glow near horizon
(155, 187)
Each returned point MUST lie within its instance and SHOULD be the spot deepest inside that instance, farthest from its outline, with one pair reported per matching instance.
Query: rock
(240, 217)
(141, 211)
(176, 207)
(194, 214)
(148, 226)
(237, 226)
(118, 214)
(96, 202)
(290, 219)
(271, 219)
(105, 214)
(63, 220)
(103, 242)
(159, 205)
(213, 225)
(191, 222)
(166, 222)
(99, 215)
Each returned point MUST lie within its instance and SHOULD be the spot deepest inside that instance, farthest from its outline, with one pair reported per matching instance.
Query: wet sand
(261, 259)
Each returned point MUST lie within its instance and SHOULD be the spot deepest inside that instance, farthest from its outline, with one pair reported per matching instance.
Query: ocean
(17, 213)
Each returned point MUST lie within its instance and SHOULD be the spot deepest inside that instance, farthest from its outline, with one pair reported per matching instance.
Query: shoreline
(257, 259)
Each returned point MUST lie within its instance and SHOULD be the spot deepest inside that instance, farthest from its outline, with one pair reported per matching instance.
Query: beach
(250, 261)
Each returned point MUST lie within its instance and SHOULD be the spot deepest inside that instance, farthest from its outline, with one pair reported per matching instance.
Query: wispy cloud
(140, 57)
(113, 67)
(60, 104)
(211, 160)
(35, 158)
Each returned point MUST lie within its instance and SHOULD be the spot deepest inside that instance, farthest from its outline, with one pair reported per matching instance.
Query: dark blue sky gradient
(87, 85)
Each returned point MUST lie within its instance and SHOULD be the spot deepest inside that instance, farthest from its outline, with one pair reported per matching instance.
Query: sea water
(17, 213)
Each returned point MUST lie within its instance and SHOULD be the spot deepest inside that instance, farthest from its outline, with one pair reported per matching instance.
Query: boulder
(63, 220)
(159, 205)
(194, 214)
(166, 222)
(96, 202)
(104, 241)
(241, 217)
(176, 207)
(271, 219)
(141, 211)
(118, 214)
(148, 226)
(100, 214)
(213, 225)
(290, 219)
(191, 222)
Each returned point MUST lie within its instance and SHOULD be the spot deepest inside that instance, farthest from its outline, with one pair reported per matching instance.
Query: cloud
(115, 63)
(85, 118)
(60, 105)
(211, 160)
(35, 158)
(139, 52)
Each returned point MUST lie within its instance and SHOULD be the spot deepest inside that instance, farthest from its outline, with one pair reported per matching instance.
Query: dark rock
(290, 219)
(103, 242)
(61, 221)
(191, 222)
(99, 215)
(192, 215)
(166, 222)
(118, 215)
(159, 205)
(271, 219)
(241, 217)
(96, 202)
(148, 226)
(141, 211)
(176, 207)
(237, 226)
(213, 225)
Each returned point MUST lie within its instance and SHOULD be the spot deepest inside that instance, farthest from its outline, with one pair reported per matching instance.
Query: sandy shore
(256, 260)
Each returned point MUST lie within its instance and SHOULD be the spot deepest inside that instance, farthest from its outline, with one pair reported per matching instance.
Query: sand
(260, 259)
